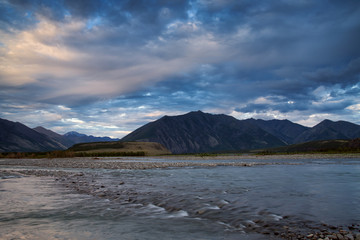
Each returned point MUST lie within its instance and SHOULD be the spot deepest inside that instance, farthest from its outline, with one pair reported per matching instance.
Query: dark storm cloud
(112, 58)
(345, 77)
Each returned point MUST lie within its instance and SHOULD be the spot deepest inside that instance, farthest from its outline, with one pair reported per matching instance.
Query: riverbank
(171, 161)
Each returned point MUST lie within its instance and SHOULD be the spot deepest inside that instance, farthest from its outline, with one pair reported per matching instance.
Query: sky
(108, 67)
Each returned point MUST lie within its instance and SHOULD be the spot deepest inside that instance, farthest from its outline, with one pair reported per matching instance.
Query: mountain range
(16, 137)
(197, 132)
(194, 132)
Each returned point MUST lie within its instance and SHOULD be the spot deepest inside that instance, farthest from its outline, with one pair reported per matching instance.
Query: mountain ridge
(76, 137)
(193, 132)
(17, 137)
(196, 132)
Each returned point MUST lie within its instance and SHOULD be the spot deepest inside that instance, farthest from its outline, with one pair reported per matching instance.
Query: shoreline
(169, 161)
(265, 156)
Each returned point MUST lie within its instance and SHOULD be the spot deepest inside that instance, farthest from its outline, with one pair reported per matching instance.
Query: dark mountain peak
(204, 132)
(207, 116)
(62, 141)
(325, 122)
(16, 137)
(39, 128)
(45, 131)
(197, 112)
(336, 124)
(6, 122)
(74, 133)
(330, 130)
(191, 116)
(76, 137)
(285, 130)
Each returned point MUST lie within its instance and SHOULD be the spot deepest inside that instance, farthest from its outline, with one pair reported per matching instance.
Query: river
(223, 202)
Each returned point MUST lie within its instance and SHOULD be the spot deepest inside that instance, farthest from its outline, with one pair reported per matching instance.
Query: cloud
(62, 72)
(95, 60)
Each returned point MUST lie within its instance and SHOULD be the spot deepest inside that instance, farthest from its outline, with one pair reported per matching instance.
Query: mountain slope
(62, 140)
(328, 129)
(202, 132)
(285, 130)
(16, 137)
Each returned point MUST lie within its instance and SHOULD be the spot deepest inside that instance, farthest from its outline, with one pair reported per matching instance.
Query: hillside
(197, 132)
(285, 130)
(63, 141)
(149, 148)
(16, 137)
(328, 129)
(319, 146)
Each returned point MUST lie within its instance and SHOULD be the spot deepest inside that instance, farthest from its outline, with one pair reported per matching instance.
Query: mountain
(328, 129)
(194, 132)
(285, 130)
(16, 137)
(202, 132)
(197, 132)
(61, 139)
(76, 137)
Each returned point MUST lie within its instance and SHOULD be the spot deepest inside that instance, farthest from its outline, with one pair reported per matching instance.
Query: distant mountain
(61, 139)
(16, 137)
(197, 132)
(285, 130)
(194, 132)
(76, 137)
(328, 129)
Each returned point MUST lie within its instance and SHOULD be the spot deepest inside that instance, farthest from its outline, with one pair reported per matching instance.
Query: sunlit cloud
(108, 67)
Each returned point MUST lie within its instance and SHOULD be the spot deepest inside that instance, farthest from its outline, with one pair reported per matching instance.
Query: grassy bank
(69, 154)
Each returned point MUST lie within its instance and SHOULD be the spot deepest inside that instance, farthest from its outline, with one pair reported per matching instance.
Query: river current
(223, 202)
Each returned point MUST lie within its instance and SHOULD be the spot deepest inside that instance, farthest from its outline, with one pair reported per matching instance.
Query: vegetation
(69, 154)
(206, 155)
(325, 146)
(97, 149)
(97, 145)
(120, 149)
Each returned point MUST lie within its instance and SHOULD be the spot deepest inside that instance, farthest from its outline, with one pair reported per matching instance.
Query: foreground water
(223, 202)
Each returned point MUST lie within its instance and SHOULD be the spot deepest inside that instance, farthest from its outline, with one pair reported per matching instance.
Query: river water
(223, 202)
